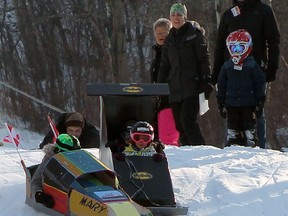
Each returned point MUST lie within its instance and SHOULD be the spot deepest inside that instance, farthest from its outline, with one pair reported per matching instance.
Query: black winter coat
(89, 137)
(241, 88)
(259, 20)
(185, 62)
(155, 63)
(154, 70)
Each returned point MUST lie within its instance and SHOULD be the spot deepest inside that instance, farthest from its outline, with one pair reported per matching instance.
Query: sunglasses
(141, 137)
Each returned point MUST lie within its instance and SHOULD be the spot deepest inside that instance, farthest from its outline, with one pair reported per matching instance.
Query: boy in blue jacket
(241, 90)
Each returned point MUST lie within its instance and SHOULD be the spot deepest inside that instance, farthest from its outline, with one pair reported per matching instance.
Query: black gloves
(158, 157)
(45, 199)
(270, 75)
(119, 156)
(222, 109)
(206, 87)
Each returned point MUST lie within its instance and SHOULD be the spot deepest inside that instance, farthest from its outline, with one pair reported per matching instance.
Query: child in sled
(64, 142)
(141, 143)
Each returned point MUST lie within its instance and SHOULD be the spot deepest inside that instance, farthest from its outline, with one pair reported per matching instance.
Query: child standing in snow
(241, 90)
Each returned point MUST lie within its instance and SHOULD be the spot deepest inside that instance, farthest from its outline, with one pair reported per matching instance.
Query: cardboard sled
(148, 183)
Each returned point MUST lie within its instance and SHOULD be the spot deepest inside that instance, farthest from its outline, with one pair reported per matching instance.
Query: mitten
(158, 157)
(119, 156)
(270, 75)
(45, 199)
(222, 110)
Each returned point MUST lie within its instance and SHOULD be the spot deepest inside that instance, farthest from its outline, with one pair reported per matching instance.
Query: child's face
(141, 140)
(141, 145)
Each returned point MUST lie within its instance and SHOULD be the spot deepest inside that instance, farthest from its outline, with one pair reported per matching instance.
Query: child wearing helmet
(64, 142)
(241, 90)
(141, 143)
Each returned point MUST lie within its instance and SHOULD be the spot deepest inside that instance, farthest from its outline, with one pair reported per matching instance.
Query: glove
(45, 199)
(208, 89)
(158, 157)
(222, 110)
(158, 145)
(270, 75)
(119, 156)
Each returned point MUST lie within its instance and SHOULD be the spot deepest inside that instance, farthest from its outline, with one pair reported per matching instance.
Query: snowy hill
(210, 181)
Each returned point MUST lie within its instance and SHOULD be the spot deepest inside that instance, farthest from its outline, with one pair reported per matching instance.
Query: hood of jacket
(197, 25)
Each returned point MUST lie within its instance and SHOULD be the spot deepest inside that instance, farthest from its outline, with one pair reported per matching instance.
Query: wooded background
(50, 49)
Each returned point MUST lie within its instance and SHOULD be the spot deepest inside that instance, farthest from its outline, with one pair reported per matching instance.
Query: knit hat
(74, 119)
(66, 142)
(179, 8)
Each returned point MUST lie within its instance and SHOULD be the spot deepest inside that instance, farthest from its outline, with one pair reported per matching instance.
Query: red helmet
(239, 44)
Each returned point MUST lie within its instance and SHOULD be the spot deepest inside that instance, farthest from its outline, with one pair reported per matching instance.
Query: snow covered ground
(234, 181)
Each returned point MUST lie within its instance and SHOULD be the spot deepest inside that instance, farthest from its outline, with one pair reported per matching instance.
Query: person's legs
(234, 127)
(261, 125)
(176, 110)
(261, 129)
(188, 118)
(249, 125)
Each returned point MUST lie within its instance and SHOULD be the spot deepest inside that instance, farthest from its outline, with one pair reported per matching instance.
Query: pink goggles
(141, 137)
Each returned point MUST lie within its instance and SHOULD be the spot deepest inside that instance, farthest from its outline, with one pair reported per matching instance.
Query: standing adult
(259, 20)
(165, 129)
(185, 67)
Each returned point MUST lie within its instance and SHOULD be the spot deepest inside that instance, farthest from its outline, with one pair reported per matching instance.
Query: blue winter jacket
(244, 87)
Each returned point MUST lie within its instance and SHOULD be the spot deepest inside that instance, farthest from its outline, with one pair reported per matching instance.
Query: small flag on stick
(12, 137)
(54, 129)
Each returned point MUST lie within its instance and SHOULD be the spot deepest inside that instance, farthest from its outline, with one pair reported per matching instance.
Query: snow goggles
(141, 137)
(237, 48)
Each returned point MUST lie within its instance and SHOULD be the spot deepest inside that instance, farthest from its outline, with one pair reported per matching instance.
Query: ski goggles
(141, 137)
(237, 48)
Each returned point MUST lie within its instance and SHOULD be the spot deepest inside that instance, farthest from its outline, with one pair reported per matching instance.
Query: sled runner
(148, 183)
(82, 185)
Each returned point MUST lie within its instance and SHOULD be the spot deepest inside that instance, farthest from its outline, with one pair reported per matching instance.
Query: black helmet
(142, 128)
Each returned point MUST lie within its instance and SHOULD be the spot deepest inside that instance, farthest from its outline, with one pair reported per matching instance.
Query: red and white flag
(53, 128)
(13, 137)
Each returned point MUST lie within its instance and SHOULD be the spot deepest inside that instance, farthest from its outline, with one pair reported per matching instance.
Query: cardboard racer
(74, 182)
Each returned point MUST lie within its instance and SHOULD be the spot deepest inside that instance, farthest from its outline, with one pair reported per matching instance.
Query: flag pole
(53, 128)
(12, 138)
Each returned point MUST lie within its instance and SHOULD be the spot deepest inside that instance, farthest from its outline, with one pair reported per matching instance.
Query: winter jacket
(239, 88)
(259, 20)
(36, 183)
(89, 137)
(155, 63)
(185, 62)
(153, 148)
